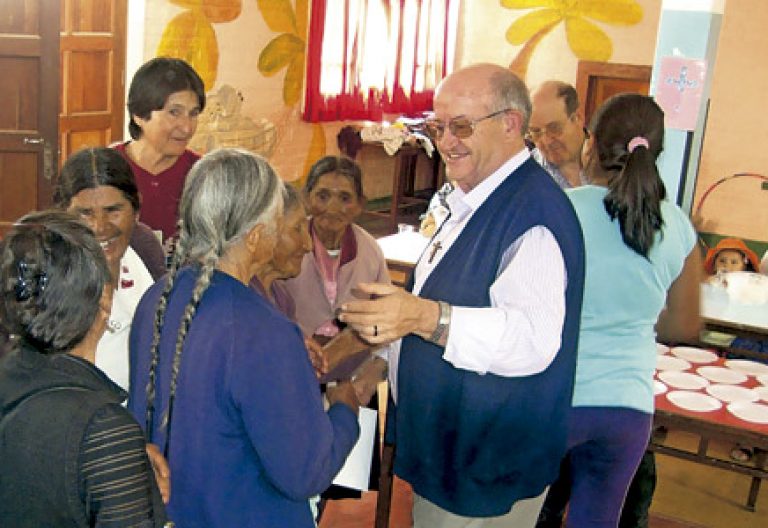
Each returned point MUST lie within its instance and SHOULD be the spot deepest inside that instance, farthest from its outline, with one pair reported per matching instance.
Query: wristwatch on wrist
(442, 322)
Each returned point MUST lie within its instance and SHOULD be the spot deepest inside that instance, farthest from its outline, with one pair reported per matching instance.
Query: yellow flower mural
(190, 35)
(586, 39)
(287, 50)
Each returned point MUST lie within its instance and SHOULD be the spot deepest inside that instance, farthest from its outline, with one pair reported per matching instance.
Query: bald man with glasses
(557, 130)
(485, 335)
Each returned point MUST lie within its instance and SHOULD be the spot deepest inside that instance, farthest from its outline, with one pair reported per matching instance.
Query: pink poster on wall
(679, 87)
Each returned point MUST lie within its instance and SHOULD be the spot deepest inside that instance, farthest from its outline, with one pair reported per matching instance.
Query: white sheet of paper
(357, 469)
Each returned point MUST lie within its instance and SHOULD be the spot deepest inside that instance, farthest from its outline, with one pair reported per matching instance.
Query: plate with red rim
(693, 401)
(722, 375)
(749, 411)
(671, 363)
(682, 380)
(694, 355)
(731, 393)
(748, 367)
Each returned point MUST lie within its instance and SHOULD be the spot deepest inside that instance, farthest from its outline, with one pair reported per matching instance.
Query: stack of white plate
(694, 355)
(750, 368)
(671, 363)
(732, 393)
(749, 411)
(693, 401)
(722, 375)
(683, 380)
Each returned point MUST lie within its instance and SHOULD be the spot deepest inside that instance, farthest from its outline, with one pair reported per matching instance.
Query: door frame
(590, 72)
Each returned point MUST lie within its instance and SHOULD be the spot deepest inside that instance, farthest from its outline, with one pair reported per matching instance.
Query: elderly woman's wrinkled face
(293, 243)
(334, 203)
(730, 260)
(111, 217)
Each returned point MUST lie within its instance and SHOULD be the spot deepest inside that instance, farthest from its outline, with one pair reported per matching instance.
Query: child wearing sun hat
(731, 254)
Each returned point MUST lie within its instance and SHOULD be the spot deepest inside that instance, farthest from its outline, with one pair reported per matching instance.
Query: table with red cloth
(716, 425)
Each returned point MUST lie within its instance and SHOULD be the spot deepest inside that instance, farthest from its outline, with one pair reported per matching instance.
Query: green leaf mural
(287, 50)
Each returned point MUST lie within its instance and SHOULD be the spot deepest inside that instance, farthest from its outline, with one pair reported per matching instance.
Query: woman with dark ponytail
(220, 378)
(641, 285)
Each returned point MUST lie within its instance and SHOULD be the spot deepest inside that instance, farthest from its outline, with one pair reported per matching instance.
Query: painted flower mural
(190, 34)
(585, 38)
(287, 51)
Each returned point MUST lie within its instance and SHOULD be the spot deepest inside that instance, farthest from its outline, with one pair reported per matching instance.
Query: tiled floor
(361, 513)
(688, 495)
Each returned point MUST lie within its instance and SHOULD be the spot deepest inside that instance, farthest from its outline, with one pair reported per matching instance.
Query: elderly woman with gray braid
(220, 378)
(641, 284)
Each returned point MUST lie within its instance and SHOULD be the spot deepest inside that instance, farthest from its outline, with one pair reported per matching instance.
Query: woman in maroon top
(164, 101)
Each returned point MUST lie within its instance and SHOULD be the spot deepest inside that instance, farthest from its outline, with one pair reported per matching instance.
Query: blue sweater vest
(475, 444)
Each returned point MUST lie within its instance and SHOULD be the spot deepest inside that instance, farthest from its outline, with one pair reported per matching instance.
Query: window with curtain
(370, 57)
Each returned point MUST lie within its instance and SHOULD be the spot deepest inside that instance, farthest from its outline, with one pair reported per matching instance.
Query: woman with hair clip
(642, 284)
(220, 378)
(70, 454)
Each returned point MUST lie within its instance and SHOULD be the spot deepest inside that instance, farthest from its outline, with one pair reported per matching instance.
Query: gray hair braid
(226, 194)
(179, 257)
(203, 281)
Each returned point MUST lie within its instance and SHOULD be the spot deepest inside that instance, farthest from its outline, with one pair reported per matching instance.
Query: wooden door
(29, 87)
(597, 81)
(92, 73)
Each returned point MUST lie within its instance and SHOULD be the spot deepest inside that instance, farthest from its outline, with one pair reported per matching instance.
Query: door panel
(92, 70)
(11, 165)
(20, 93)
(29, 85)
(597, 81)
(93, 15)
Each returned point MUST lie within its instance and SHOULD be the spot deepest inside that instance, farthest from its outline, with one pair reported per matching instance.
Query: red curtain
(431, 49)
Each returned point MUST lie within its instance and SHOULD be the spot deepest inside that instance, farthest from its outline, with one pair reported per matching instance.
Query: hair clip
(29, 286)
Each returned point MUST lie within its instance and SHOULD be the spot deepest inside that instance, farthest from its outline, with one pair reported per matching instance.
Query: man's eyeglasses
(461, 127)
(554, 129)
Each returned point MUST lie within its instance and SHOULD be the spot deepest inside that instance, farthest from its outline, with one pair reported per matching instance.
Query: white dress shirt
(519, 334)
(112, 350)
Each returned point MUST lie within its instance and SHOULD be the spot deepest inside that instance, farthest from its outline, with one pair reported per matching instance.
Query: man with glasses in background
(557, 130)
(483, 375)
